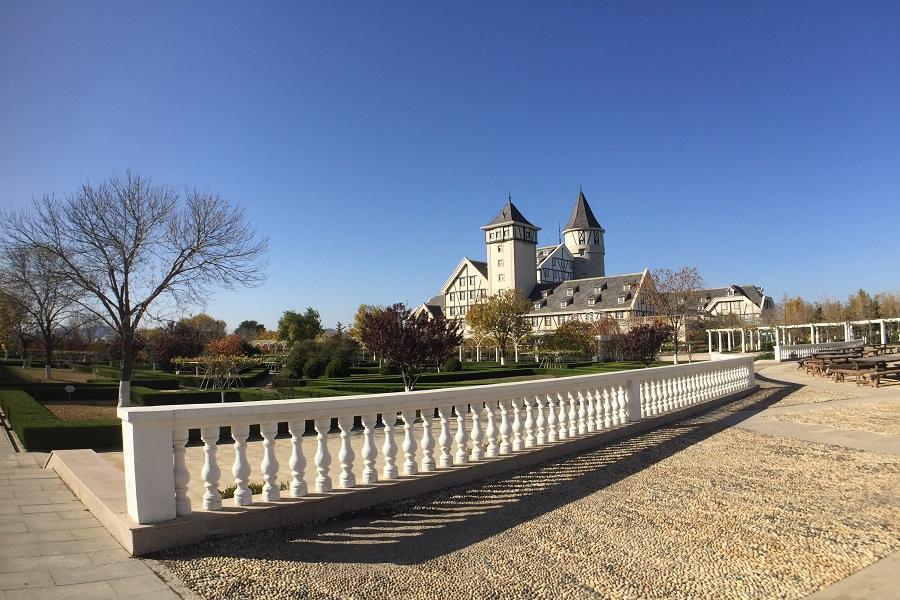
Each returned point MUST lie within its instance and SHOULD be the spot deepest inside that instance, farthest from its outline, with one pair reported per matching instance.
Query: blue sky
(370, 140)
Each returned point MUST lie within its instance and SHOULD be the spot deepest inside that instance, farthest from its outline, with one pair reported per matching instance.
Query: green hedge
(56, 392)
(39, 429)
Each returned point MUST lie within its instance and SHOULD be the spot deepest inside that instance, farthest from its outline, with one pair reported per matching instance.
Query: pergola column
(812, 334)
(743, 343)
(460, 353)
(730, 340)
(720, 340)
(708, 340)
(884, 339)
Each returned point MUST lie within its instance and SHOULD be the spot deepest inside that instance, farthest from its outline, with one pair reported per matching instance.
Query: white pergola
(784, 333)
(752, 338)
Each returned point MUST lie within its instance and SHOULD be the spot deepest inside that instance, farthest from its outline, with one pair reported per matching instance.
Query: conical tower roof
(508, 215)
(582, 216)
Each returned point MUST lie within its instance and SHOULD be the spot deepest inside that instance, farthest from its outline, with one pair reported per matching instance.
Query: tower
(511, 251)
(584, 239)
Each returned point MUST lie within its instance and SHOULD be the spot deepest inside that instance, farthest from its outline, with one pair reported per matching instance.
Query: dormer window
(626, 287)
(592, 301)
(537, 305)
(597, 289)
(570, 291)
(545, 293)
(621, 299)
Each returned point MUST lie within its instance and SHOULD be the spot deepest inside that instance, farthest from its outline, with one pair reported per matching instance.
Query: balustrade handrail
(490, 420)
(198, 415)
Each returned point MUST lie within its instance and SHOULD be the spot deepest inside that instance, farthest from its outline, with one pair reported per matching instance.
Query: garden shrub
(337, 367)
(389, 368)
(313, 368)
(451, 364)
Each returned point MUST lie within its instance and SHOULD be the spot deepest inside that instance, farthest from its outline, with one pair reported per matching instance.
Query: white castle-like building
(564, 281)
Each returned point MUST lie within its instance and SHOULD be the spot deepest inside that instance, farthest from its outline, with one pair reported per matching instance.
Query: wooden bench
(873, 376)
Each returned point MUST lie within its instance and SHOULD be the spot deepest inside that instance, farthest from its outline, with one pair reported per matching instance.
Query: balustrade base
(99, 485)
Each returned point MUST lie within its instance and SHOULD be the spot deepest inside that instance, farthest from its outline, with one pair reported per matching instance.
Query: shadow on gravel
(430, 526)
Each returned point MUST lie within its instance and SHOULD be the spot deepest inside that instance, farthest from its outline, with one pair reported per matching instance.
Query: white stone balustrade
(797, 351)
(476, 423)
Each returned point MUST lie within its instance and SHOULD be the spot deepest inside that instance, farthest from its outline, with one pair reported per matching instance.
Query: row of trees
(125, 249)
(796, 310)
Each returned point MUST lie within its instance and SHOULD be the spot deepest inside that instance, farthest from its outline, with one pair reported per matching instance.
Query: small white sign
(69, 389)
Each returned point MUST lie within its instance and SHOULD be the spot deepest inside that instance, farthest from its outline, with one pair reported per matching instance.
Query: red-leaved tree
(407, 340)
(643, 342)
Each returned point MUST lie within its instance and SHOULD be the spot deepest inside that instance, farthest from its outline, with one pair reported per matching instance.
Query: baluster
(562, 419)
(623, 406)
(389, 448)
(582, 414)
(322, 458)
(530, 436)
(552, 429)
(269, 465)
(607, 410)
(660, 396)
(427, 440)
(573, 415)
(241, 468)
(368, 452)
(591, 412)
(644, 410)
(297, 463)
(518, 442)
(651, 398)
(666, 395)
(614, 407)
(598, 408)
(540, 422)
(462, 436)
(409, 442)
(477, 433)
(445, 439)
(212, 499)
(346, 454)
(691, 389)
(504, 427)
(679, 392)
(490, 431)
(182, 475)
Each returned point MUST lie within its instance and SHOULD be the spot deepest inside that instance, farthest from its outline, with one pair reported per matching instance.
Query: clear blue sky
(370, 140)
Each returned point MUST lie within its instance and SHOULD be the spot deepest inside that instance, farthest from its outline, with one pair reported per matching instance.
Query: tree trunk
(48, 359)
(127, 369)
(675, 345)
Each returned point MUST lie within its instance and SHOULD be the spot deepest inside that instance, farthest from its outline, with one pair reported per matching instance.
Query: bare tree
(129, 244)
(673, 295)
(31, 279)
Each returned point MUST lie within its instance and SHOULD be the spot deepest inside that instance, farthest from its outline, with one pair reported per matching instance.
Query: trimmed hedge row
(39, 429)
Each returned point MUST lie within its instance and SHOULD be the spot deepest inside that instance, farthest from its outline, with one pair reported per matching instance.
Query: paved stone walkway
(51, 545)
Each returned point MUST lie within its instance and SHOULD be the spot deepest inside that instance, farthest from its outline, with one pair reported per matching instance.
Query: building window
(452, 295)
(547, 321)
(500, 263)
(592, 301)
(501, 277)
(570, 292)
(581, 237)
(621, 299)
(626, 287)
(471, 294)
(500, 248)
(472, 280)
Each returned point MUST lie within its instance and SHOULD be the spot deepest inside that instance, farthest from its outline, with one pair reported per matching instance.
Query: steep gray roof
(435, 306)
(509, 214)
(584, 290)
(582, 215)
(481, 266)
(752, 292)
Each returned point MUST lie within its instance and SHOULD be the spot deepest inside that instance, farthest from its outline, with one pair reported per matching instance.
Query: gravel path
(877, 417)
(693, 510)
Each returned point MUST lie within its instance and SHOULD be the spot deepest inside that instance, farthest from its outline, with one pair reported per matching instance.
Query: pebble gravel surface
(692, 510)
(877, 417)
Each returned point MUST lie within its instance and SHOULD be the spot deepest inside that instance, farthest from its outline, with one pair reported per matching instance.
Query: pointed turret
(509, 215)
(584, 239)
(582, 215)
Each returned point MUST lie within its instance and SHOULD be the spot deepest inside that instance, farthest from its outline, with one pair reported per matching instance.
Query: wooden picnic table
(877, 360)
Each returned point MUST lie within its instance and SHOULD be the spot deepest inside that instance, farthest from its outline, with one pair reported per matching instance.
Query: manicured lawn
(10, 374)
(82, 410)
